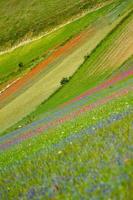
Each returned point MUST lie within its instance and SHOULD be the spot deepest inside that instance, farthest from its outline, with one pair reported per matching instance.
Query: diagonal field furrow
(115, 54)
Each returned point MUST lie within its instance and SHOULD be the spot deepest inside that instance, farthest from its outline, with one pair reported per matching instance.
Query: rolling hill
(20, 21)
(74, 140)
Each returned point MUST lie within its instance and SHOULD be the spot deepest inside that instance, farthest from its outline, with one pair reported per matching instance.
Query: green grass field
(82, 149)
(22, 20)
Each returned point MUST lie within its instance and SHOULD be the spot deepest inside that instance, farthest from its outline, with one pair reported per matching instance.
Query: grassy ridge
(24, 19)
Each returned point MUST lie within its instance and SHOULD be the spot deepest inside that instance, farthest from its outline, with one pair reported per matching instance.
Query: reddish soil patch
(18, 84)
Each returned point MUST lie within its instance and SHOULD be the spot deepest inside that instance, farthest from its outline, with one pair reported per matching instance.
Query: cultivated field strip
(103, 85)
(68, 117)
(79, 79)
(36, 93)
(9, 62)
(73, 104)
(63, 50)
(100, 21)
(106, 53)
(115, 54)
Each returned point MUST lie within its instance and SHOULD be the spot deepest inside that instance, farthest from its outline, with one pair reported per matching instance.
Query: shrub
(64, 81)
(86, 57)
(21, 65)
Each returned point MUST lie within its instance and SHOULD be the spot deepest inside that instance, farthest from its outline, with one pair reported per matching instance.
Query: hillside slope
(89, 139)
(101, 64)
(78, 143)
(46, 84)
(37, 50)
(20, 20)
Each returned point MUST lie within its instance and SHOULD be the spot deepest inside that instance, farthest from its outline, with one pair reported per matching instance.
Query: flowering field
(90, 155)
(82, 148)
